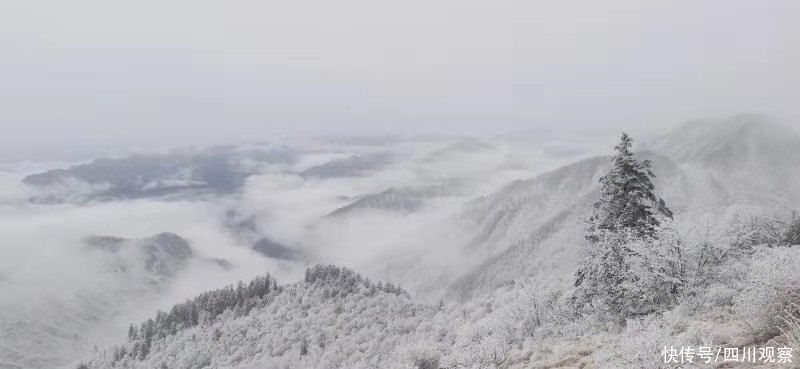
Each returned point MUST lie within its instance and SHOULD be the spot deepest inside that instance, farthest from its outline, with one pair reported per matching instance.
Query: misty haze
(420, 185)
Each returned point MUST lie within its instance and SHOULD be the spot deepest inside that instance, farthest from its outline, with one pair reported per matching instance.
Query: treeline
(200, 310)
(241, 300)
(338, 281)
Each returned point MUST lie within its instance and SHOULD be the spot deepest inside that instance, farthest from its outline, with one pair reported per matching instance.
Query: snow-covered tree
(791, 234)
(627, 274)
(623, 255)
(627, 198)
(659, 270)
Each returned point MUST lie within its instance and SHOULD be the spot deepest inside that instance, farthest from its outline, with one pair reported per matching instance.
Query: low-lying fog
(87, 236)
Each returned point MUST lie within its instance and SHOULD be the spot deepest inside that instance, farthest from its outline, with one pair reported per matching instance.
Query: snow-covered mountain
(740, 161)
(729, 144)
(497, 263)
(400, 200)
(355, 165)
(218, 170)
(163, 254)
(44, 331)
(704, 170)
(335, 318)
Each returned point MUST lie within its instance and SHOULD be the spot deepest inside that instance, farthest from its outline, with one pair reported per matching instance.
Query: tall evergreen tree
(627, 199)
(626, 212)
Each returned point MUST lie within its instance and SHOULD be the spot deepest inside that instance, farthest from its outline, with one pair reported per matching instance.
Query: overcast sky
(86, 72)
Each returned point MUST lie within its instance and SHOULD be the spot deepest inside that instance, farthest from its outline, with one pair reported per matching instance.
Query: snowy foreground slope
(341, 320)
(732, 186)
(336, 319)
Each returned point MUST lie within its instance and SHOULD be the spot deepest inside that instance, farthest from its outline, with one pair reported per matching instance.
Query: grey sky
(83, 72)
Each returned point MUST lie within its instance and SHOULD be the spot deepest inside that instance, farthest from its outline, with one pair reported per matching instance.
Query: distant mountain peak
(161, 254)
(275, 250)
(735, 142)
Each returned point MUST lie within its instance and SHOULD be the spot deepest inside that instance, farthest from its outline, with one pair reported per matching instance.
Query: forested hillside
(636, 275)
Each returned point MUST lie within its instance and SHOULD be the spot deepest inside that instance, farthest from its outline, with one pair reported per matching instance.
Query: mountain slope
(738, 161)
(535, 227)
(514, 309)
(333, 319)
(220, 170)
(401, 200)
(46, 331)
(352, 166)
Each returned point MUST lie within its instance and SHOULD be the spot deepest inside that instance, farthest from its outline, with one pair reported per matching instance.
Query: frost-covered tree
(659, 270)
(627, 274)
(622, 231)
(203, 309)
(304, 347)
(627, 199)
(791, 235)
(603, 275)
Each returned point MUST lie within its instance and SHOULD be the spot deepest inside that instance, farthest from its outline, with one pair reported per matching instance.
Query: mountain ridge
(544, 215)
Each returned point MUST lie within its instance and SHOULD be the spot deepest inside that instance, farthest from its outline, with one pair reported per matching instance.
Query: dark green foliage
(304, 347)
(132, 332)
(426, 363)
(201, 309)
(627, 199)
(627, 202)
(792, 234)
(628, 215)
(338, 281)
(749, 232)
(240, 301)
